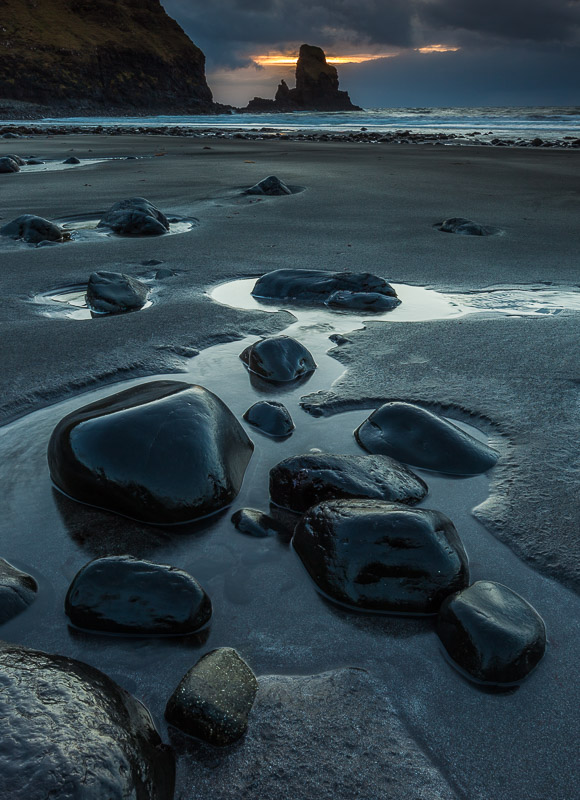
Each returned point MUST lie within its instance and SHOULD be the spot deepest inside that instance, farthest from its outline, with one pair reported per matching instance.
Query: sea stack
(316, 88)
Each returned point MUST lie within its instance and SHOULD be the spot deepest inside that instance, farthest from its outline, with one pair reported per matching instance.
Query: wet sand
(517, 379)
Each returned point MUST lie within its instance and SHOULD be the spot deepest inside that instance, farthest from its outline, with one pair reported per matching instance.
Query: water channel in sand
(264, 602)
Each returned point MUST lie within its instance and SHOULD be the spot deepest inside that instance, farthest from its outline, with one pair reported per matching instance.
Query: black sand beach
(412, 723)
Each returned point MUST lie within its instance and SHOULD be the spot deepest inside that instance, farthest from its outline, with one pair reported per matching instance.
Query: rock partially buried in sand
(492, 633)
(418, 437)
(315, 286)
(279, 359)
(300, 482)
(464, 227)
(253, 522)
(380, 556)
(270, 417)
(271, 186)
(34, 162)
(8, 165)
(71, 732)
(32, 229)
(72, 160)
(121, 594)
(163, 452)
(17, 159)
(214, 698)
(17, 591)
(115, 292)
(135, 217)
(363, 301)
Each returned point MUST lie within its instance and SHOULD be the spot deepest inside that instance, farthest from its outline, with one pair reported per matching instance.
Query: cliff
(316, 88)
(91, 56)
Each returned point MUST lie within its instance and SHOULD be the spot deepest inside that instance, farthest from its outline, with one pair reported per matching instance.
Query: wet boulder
(315, 286)
(491, 633)
(17, 159)
(270, 417)
(380, 556)
(135, 217)
(255, 523)
(7, 164)
(214, 699)
(279, 359)
(115, 292)
(17, 591)
(163, 452)
(32, 229)
(464, 227)
(34, 162)
(423, 439)
(70, 732)
(363, 301)
(72, 160)
(271, 186)
(302, 481)
(121, 594)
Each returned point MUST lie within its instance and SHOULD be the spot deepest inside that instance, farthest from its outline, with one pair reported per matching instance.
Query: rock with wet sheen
(271, 186)
(122, 594)
(491, 632)
(70, 733)
(135, 217)
(34, 162)
(423, 439)
(302, 481)
(279, 359)
(255, 523)
(72, 160)
(214, 698)
(115, 292)
(464, 227)
(270, 417)
(380, 556)
(162, 452)
(363, 301)
(17, 591)
(314, 286)
(32, 229)
(8, 165)
(17, 159)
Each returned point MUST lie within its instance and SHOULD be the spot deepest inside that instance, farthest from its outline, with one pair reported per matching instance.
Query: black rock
(271, 186)
(270, 417)
(300, 482)
(135, 217)
(32, 229)
(278, 358)
(115, 292)
(17, 159)
(214, 698)
(363, 301)
(315, 286)
(255, 523)
(8, 164)
(152, 262)
(380, 556)
(17, 591)
(464, 227)
(492, 633)
(11, 135)
(121, 594)
(537, 142)
(418, 437)
(34, 162)
(163, 452)
(70, 732)
(72, 160)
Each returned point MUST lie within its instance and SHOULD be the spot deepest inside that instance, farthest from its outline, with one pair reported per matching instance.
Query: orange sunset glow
(285, 59)
(437, 48)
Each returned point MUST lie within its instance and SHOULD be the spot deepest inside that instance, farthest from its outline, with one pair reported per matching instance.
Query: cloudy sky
(395, 52)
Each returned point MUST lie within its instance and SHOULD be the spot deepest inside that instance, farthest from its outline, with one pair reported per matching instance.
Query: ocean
(548, 123)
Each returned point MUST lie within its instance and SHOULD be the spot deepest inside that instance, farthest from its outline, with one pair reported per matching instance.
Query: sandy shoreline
(370, 209)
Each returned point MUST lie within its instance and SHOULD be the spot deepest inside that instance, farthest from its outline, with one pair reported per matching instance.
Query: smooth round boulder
(72, 160)
(377, 556)
(8, 165)
(115, 293)
(278, 359)
(271, 186)
(17, 591)
(135, 217)
(163, 453)
(214, 699)
(464, 227)
(255, 523)
(315, 286)
(423, 439)
(302, 481)
(17, 159)
(491, 633)
(270, 417)
(122, 594)
(34, 162)
(32, 229)
(363, 301)
(70, 732)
